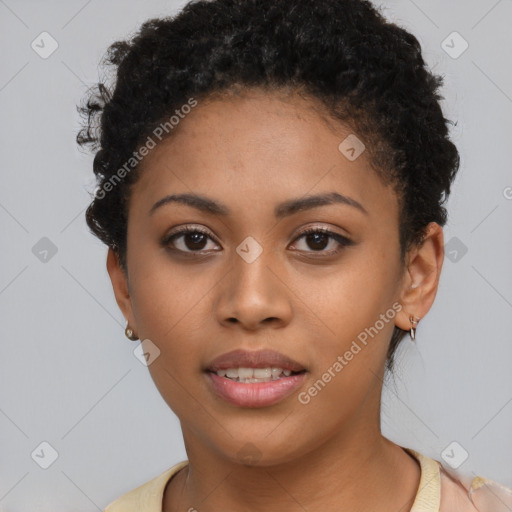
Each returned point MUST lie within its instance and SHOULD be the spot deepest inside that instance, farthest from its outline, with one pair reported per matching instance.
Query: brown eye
(194, 240)
(187, 240)
(318, 239)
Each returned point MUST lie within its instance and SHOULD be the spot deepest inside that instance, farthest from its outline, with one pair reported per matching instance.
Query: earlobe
(422, 277)
(120, 286)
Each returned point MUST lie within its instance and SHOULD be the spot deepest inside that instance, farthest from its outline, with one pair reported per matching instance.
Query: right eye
(188, 240)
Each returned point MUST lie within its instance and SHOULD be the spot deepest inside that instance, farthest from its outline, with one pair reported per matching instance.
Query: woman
(271, 181)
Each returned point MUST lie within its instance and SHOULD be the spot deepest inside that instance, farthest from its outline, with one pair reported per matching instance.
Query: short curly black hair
(365, 71)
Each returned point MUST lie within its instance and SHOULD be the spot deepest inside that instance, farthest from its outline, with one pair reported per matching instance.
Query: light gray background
(68, 375)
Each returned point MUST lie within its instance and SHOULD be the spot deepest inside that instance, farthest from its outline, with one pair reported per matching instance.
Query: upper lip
(254, 359)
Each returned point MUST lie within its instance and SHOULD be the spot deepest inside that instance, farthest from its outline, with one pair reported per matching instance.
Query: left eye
(319, 238)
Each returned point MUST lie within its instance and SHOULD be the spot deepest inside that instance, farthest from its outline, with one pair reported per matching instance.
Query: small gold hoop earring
(128, 332)
(414, 323)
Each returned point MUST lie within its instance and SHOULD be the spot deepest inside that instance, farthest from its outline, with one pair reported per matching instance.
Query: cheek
(352, 296)
(348, 344)
(351, 307)
(165, 295)
(169, 310)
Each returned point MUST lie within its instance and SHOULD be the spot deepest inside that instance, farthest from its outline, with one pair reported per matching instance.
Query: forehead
(259, 144)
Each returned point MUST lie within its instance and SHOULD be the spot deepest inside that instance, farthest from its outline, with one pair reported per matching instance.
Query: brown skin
(252, 152)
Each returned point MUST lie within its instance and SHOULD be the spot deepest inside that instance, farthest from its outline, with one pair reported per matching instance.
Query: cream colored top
(440, 490)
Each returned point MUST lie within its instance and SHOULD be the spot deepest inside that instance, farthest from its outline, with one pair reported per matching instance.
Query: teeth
(250, 375)
(261, 373)
(276, 372)
(245, 373)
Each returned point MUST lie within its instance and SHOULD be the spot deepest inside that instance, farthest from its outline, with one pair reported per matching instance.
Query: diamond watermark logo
(249, 249)
(44, 45)
(454, 45)
(454, 455)
(249, 454)
(146, 352)
(351, 147)
(44, 250)
(455, 249)
(44, 455)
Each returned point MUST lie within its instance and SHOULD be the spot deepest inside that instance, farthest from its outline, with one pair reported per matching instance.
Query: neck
(340, 470)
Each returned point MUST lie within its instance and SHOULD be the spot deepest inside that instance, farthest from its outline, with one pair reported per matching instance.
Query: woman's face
(250, 281)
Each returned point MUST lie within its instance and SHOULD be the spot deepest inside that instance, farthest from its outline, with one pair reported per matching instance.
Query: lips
(254, 359)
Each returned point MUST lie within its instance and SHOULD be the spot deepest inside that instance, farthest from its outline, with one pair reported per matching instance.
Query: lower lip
(255, 394)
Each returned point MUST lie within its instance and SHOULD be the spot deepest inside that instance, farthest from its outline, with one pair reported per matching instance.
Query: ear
(121, 287)
(421, 277)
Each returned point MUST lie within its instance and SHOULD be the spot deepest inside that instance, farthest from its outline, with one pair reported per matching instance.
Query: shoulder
(483, 494)
(443, 489)
(148, 496)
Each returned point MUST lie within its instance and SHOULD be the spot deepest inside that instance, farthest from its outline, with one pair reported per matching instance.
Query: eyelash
(340, 239)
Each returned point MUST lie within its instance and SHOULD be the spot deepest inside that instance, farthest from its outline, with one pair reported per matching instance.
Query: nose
(254, 295)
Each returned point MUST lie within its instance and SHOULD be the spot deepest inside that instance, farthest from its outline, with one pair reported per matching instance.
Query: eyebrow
(284, 209)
